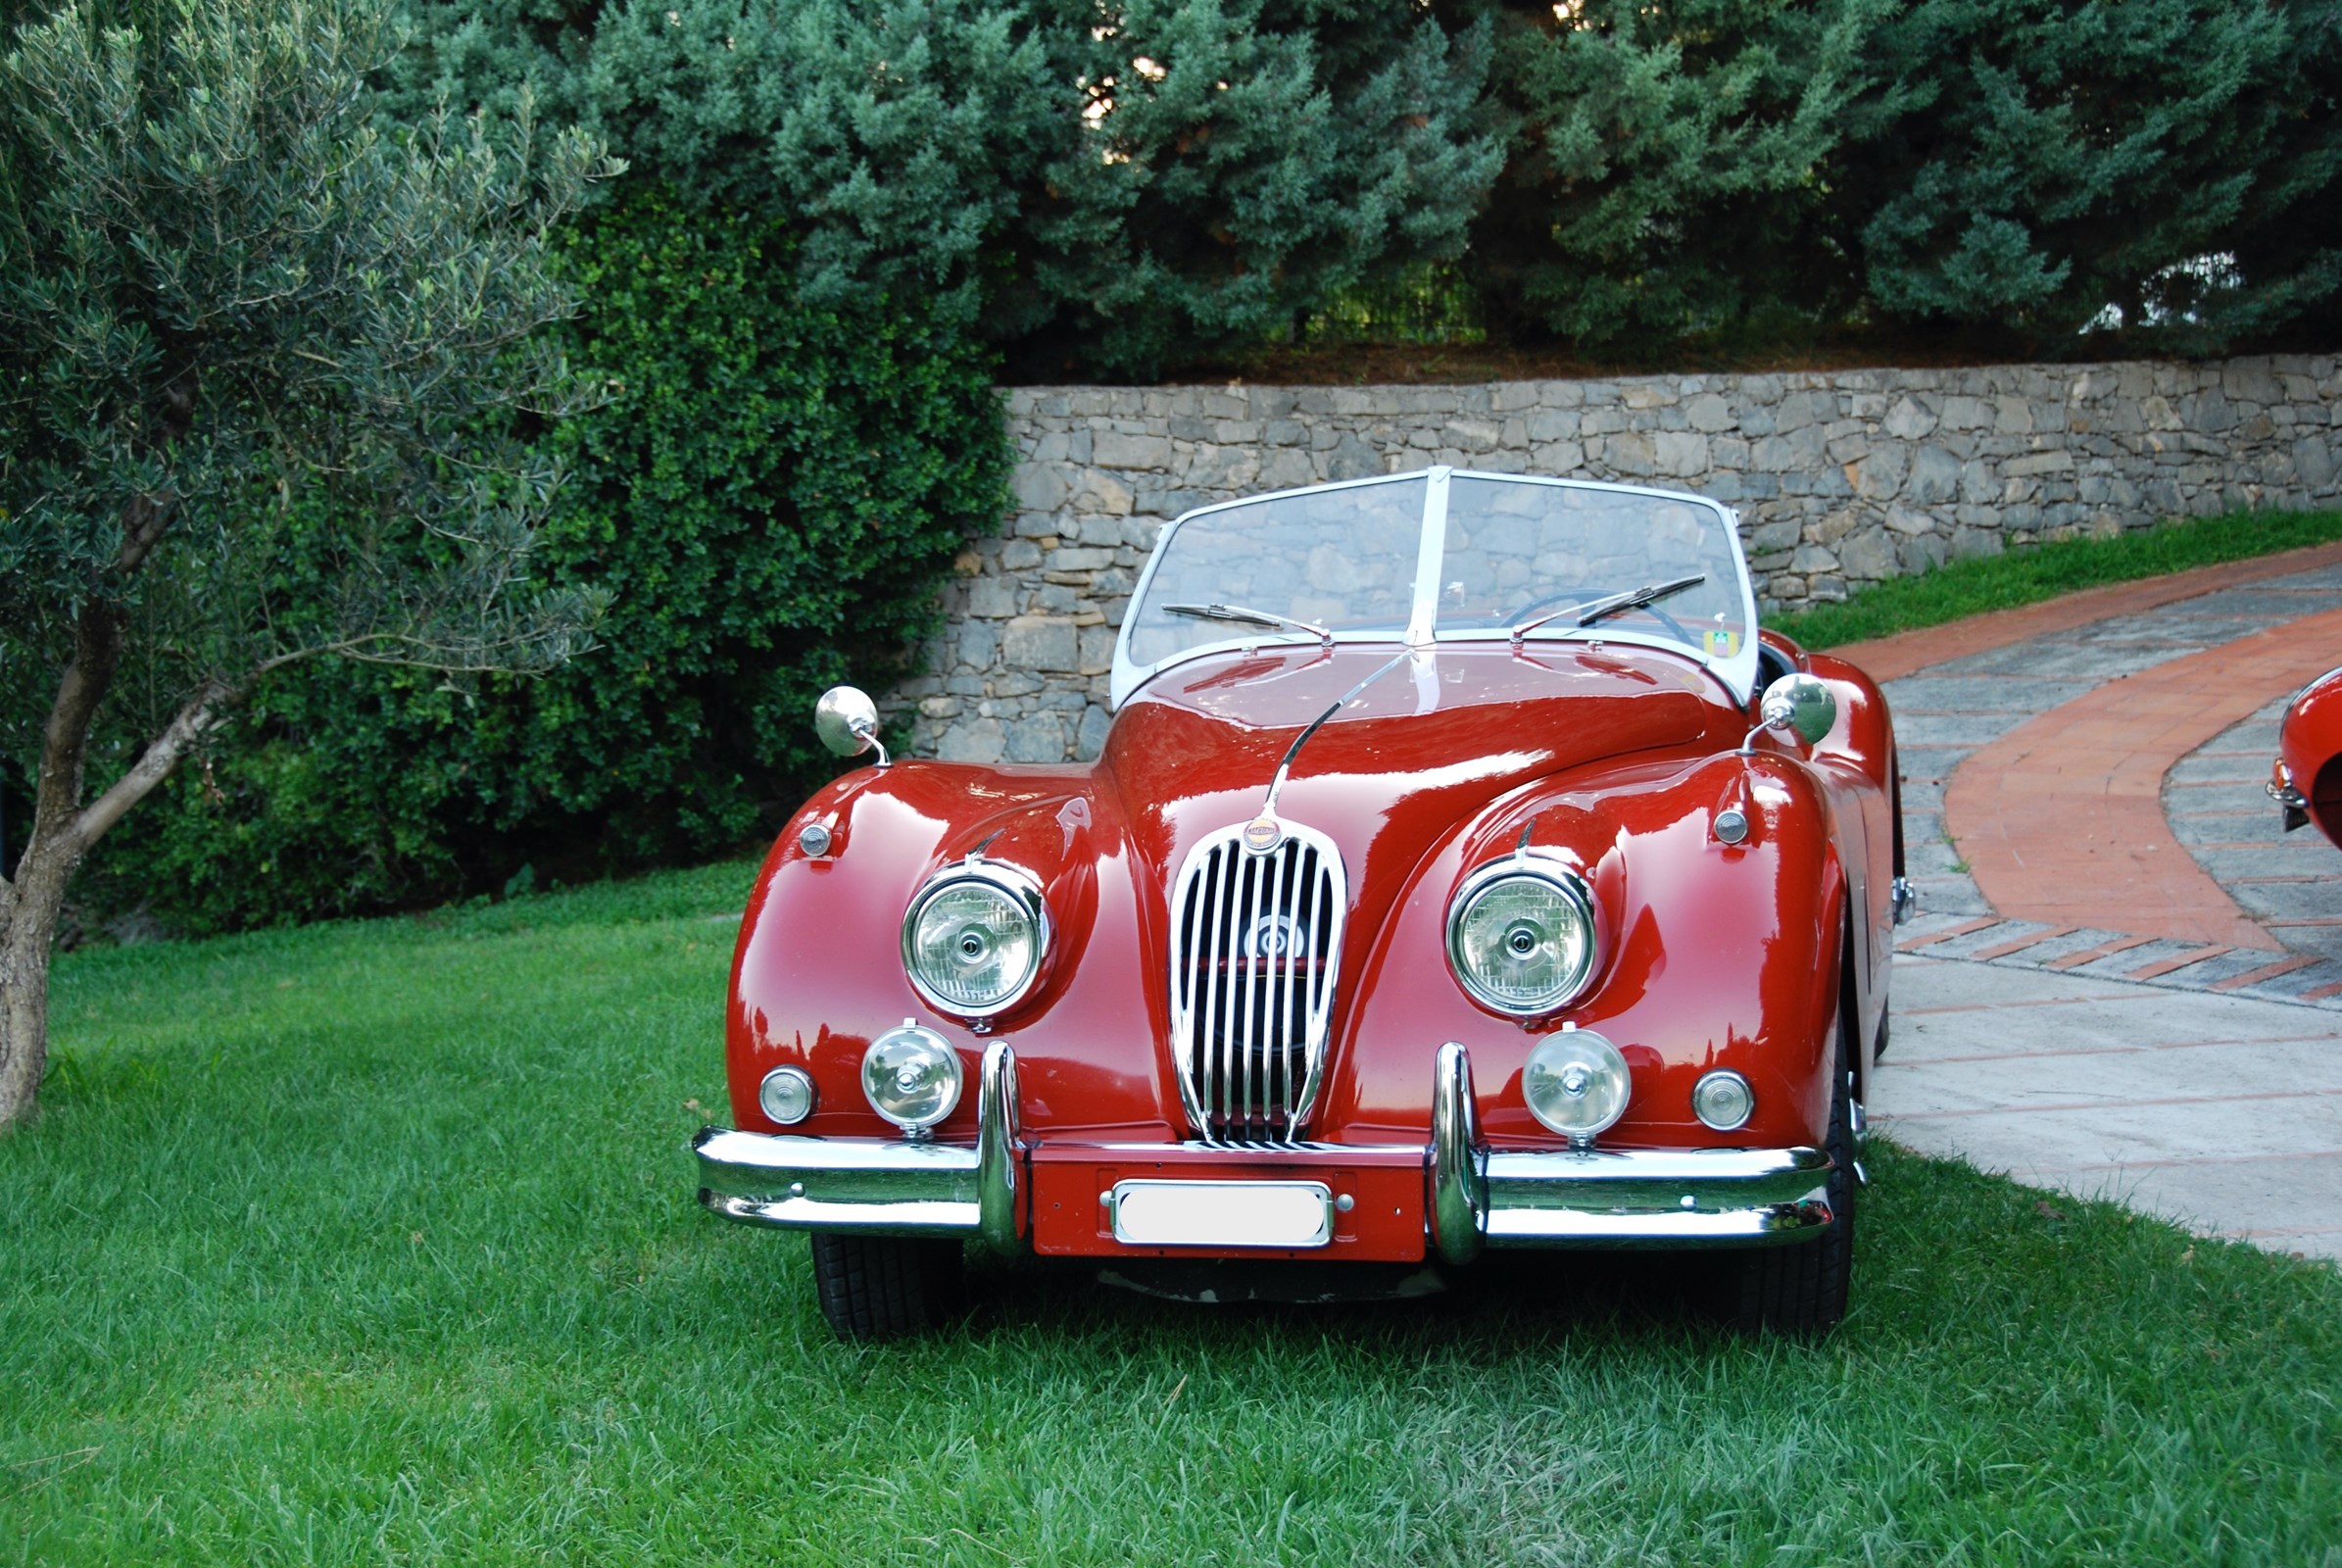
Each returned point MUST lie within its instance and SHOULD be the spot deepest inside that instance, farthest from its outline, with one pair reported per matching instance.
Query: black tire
(1799, 1288)
(886, 1287)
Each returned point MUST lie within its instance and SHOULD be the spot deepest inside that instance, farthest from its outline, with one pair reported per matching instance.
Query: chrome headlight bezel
(1022, 891)
(1574, 893)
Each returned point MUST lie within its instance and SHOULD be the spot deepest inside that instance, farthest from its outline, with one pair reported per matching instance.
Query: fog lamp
(912, 1077)
(786, 1095)
(1576, 1083)
(1722, 1100)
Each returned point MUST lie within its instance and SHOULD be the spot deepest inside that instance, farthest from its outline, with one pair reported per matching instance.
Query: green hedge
(772, 494)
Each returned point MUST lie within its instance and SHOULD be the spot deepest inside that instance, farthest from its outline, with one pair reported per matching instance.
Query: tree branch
(153, 764)
(65, 740)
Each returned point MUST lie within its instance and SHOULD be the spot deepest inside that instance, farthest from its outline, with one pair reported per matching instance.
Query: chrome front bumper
(1475, 1197)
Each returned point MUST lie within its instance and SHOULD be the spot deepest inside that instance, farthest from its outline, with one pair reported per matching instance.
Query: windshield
(1553, 559)
(1342, 558)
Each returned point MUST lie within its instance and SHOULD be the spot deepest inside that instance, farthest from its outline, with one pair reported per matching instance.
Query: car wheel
(884, 1287)
(1799, 1288)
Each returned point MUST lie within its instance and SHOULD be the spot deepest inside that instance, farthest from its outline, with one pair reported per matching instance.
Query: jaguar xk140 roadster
(1464, 870)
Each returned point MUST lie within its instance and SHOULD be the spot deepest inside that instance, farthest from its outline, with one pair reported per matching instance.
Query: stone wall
(1841, 477)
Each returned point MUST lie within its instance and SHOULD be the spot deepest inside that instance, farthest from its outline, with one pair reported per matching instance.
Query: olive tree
(266, 378)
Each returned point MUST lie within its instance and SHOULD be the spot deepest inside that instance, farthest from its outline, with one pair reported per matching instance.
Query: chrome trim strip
(1686, 1197)
(874, 1186)
(1000, 1150)
(1456, 1208)
(1431, 550)
(1268, 805)
(1605, 1198)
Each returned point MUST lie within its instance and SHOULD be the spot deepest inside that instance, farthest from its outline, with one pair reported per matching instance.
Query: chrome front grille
(1256, 938)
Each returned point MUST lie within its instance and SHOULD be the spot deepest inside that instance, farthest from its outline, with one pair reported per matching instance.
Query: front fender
(1718, 955)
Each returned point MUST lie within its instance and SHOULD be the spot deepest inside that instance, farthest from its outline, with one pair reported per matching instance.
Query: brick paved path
(2035, 755)
(2122, 979)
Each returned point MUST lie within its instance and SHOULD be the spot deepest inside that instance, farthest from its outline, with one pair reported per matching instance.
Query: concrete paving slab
(2218, 1111)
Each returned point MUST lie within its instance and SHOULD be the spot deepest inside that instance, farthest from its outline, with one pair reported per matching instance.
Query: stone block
(1090, 739)
(1708, 412)
(1097, 649)
(1096, 491)
(992, 597)
(1114, 449)
(1790, 452)
(1868, 554)
(972, 740)
(1628, 452)
(1680, 454)
(1040, 642)
(2314, 463)
(1908, 420)
(1036, 738)
(1934, 476)
(1039, 486)
(1878, 475)
(977, 645)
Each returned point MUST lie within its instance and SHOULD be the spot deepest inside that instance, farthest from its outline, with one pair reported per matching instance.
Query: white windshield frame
(1737, 672)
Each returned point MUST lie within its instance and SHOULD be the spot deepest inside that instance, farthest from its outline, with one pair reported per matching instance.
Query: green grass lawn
(375, 1242)
(2026, 576)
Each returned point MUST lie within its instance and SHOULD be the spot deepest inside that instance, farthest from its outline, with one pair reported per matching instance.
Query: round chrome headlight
(1576, 1083)
(1722, 1100)
(912, 1077)
(973, 938)
(1521, 935)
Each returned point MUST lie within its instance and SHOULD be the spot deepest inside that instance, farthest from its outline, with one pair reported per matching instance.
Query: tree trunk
(28, 909)
(63, 831)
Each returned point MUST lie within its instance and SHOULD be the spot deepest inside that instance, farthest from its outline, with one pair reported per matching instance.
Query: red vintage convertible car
(1463, 871)
(2307, 781)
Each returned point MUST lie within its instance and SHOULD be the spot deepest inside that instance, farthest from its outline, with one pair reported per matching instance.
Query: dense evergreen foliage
(1098, 191)
(768, 498)
(2013, 171)
(846, 219)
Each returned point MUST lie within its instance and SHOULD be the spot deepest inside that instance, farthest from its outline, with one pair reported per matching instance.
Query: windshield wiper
(1593, 610)
(1251, 618)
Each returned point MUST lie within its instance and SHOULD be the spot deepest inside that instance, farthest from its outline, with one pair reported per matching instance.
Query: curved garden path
(2123, 980)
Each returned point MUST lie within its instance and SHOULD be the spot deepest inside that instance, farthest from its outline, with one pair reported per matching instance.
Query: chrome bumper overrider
(1475, 1196)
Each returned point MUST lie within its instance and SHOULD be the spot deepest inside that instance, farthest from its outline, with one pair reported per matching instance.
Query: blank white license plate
(1153, 1213)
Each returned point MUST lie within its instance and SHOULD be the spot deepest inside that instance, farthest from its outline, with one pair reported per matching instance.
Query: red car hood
(1417, 749)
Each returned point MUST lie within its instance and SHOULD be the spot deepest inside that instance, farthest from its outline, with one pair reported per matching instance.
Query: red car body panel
(1614, 757)
(2310, 753)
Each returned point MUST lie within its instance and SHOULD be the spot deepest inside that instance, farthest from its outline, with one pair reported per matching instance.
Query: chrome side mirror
(846, 720)
(1798, 704)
